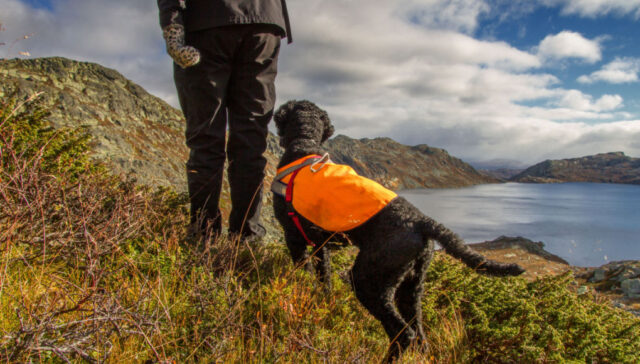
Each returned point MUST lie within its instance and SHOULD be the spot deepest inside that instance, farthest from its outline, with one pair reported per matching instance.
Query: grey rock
(631, 287)
(598, 275)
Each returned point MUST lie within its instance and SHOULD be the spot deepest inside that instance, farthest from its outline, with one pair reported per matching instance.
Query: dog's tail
(456, 247)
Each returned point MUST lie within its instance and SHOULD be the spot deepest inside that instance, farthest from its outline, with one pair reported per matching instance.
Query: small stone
(619, 305)
(510, 255)
(598, 275)
(582, 290)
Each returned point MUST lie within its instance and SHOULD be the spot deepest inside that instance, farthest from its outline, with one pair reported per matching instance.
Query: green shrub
(27, 137)
(509, 319)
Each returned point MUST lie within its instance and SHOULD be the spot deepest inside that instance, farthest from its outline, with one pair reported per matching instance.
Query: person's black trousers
(233, 85)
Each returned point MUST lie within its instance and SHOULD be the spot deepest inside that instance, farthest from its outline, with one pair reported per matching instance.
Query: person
(225, 56)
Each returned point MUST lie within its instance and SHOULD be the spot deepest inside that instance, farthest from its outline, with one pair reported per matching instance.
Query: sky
(514, 80)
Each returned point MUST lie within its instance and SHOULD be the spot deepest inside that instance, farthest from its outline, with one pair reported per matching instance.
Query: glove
(173, 34)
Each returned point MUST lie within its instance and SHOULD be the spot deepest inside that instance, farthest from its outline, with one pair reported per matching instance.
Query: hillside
(138, 133)
(604, 168)
(95, 268)
(399, 166)
(133, 131)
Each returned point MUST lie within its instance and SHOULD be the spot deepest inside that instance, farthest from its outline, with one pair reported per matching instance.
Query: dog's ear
(281, 117)
(328, 128)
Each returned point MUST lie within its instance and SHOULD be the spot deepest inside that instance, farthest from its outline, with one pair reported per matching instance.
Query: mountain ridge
(613, 167)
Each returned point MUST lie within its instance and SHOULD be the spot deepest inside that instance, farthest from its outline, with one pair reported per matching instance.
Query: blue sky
(619, 33)
(521, 80)
(43, 4)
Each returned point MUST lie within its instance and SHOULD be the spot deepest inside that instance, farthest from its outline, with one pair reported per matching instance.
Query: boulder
(598, 275)
(631, 287)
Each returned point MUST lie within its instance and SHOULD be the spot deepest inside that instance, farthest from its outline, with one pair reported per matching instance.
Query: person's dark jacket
(203, 14)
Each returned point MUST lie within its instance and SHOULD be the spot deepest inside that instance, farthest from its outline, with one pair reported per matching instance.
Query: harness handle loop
(324, 160)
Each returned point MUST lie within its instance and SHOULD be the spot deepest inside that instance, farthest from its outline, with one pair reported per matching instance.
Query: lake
(587, 224)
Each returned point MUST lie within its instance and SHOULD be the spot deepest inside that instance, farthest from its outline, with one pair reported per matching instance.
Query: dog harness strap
(278, 187)
(287, 171)
(291, 213)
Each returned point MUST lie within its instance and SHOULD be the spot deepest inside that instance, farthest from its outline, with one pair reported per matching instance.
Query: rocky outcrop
(509, 242)
(621, 276)
(604, 168)
(133, 131)
(531, 255)
(398, 166)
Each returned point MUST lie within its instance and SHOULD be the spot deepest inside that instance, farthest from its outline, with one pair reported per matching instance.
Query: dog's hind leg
(375, 285)
(409, 295)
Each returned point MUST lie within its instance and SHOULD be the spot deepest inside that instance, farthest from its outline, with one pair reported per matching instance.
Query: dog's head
(302, 120)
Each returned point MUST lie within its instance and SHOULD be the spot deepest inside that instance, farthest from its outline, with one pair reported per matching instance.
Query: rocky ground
(615, 282)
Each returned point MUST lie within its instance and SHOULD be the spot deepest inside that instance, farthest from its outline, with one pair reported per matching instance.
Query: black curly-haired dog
(396, 245)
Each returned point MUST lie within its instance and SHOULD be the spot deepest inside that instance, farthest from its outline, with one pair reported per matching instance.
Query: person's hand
(173, 34)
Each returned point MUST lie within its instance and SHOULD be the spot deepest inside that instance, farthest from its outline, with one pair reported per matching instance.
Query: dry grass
(96, 269)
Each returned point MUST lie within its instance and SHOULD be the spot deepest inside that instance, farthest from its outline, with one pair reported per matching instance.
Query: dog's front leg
(322, 258)
(298, 249)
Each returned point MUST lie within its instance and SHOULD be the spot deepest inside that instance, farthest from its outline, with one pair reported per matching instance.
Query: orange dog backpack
(332, 196)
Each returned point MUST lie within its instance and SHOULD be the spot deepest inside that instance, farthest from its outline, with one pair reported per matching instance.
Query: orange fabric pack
(334, 196)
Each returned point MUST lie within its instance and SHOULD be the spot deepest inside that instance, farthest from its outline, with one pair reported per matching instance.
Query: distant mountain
(503, 174)
(502, 169)
(138, 133)
(613, 167)
(398, 166)
(499, 164)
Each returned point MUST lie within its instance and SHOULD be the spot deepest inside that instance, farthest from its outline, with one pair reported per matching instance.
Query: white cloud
(378, 70)
(594, 8)
(457, 15)
(576, 100)
(568, 44)
(620, 70)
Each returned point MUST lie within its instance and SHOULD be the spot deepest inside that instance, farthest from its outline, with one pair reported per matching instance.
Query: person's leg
(251, 99)
(202, 93)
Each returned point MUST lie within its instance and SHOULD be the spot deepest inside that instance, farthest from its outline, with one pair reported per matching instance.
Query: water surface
(588, 224)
